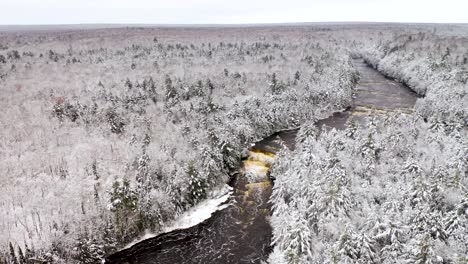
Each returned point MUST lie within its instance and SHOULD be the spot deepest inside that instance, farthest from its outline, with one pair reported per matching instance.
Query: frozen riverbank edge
(218, 200)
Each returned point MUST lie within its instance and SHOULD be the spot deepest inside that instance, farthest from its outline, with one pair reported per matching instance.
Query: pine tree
(128, 84)
(274, 85)
(199, 89)
(152, 91)
(144, 85)
(89, 251)
(346, 246)
(369, 149)
(29, 252)
(123, 197)
(429, 221)
(171, 92)
(297, 77)
(108, 238)
(197, 185)
(21, 257)
(210, 86)
(358, 247)
(97, 184)
(387, 233)
(146, 140)
(124, 205)
(142, 173)
(335, 197)
(307, 131)
(13, 258)
(295, 238)
(456, 221)
(116, 123)
(424, 253)
(351, 128)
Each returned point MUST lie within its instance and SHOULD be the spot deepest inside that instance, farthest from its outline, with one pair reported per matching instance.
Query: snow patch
(203, 210)
(195, 215)
(147, 235)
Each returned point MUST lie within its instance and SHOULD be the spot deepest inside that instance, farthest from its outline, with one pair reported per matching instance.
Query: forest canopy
(111, 133)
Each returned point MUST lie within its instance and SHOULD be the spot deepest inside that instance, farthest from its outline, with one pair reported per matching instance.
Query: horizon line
(232, 24)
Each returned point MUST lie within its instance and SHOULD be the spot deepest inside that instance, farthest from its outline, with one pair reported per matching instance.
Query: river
(240, 233)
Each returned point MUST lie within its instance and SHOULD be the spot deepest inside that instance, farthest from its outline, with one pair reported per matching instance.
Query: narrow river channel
(240, 233)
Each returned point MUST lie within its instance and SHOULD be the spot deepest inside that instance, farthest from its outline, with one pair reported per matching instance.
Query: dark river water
(240, 233)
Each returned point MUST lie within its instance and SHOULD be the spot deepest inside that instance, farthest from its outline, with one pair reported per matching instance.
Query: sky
(31, 12)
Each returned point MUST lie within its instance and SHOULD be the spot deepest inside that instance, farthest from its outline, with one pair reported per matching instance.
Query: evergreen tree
(123, 197)
(89, 251)
(298, 245)
(124, 205)
(307, 131)
(97, 184)
(152, 91)
(142, 174)
(171, 92)
(29, 252)
(21, 257)
(456, 221)
(351, 128)
(128, 84)
(274, 85)
(297, 77)
(369, 150)
(424, 252)
(335, 197)
(108, 238)
(13, 258)
(210, 86)
(116, 123)
(429, 222)
(357, 247)
(198, 91)
(197, 185)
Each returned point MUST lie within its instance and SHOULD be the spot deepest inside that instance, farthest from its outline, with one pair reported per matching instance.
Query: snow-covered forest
(433, 65)
(109, 134)
(391, 190)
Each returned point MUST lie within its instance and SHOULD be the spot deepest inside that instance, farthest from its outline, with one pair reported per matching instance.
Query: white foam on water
(263, 157)
(255, 170)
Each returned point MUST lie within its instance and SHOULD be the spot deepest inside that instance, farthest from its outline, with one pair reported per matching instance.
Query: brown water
(241, 233)
(374, 94)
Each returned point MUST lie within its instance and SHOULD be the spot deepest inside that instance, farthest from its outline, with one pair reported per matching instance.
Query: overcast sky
(229, 12)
